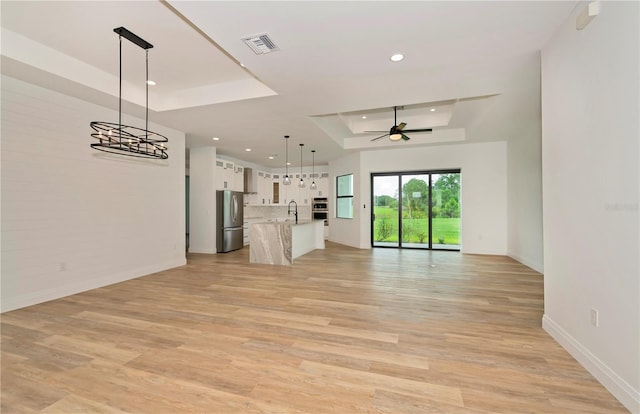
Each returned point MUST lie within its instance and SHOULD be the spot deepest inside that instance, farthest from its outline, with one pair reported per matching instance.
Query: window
(344, 196)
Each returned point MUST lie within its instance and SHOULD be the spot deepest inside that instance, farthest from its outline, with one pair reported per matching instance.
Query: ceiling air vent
(261, 44)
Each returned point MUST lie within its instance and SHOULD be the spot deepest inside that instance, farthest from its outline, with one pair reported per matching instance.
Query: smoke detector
(261, 44)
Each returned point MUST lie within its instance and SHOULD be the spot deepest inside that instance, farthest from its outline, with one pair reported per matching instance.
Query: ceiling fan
(397, 131)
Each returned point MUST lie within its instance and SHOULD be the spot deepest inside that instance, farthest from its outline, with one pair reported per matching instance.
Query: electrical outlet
(594, 317)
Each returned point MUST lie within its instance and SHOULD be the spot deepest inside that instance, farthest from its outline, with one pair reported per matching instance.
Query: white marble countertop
(291, 221)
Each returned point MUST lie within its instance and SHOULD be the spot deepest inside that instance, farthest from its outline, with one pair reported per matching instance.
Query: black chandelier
(124, 139)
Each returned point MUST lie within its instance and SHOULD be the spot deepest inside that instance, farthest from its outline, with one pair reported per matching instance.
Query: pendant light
(313, 185)
(286, 180)
(124, 139)
(301, 183)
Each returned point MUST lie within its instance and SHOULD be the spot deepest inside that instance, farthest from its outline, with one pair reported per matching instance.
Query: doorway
(418, 210)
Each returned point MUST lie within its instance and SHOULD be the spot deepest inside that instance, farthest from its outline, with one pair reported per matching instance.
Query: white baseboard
(33, 298)
(617, 386)
(538, 267)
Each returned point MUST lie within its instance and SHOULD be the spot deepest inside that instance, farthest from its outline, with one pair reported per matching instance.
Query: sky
(388, 184)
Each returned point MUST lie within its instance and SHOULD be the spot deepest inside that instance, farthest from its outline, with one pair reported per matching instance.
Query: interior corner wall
(202, 200)
(524, 192)
(347, 231)
(74, 218)
(590, 158)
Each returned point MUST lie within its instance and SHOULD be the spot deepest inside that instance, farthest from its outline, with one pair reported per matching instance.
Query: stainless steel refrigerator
(229, 213)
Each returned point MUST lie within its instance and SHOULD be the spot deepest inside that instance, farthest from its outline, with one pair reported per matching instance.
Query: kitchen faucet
(295, 212)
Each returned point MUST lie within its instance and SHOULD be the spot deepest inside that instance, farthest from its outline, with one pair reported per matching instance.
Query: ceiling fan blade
(381, 136)
(402, 125)
(406, 138)
(418, 130)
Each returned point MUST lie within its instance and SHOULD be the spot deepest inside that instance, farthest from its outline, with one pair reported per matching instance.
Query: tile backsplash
(274, 212)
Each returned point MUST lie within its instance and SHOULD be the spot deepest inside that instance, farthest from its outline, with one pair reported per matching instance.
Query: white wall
(524, 191)
(74, 218)
(590, 95)
(524, 177)
(483, 186)
(347, 231)
(202, 200)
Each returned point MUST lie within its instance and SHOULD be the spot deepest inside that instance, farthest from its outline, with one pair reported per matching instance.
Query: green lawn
(445, 230)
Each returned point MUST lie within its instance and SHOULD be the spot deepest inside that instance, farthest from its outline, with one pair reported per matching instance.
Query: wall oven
(320, 209)
(320, 215)
(320, 204)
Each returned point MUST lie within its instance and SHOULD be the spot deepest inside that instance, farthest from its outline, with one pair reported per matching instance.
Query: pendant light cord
(301, 182)
(146, 117)
(120, 96)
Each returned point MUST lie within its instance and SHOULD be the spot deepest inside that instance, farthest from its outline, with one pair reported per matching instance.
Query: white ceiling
(476, 63)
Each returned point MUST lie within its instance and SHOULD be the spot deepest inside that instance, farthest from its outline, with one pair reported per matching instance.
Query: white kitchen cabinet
(224, 175)
(305, 194)
(229, 172)
(238, 179)
(267, 184)
(268, 195)
(245, 232)
(265, 194)
(302, 196)
(293, 192)
(285, 191)
(313, 193)
(323, 185)
(276, 189)
(260, 198)
(219, 175)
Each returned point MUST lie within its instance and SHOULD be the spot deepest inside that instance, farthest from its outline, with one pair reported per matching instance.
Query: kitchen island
(280, 242)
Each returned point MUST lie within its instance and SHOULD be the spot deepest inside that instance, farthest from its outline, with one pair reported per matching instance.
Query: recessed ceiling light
(248, 149)
(433, 109)
(215, 139)
(288, 163)
(150, 82)
(397, 57)
(364, 117)
(271, 157)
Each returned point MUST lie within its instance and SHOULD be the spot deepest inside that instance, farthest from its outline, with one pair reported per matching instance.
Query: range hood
(250, 181)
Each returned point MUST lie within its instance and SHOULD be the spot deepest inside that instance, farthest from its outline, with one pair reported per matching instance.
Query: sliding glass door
(416, 210)
(445, 210)
(385, 210)
(414, 223)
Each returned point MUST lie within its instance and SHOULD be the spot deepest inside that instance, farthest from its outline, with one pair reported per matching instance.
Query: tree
(446, 189)
(415, 196)
(451, 208)
(384, 201)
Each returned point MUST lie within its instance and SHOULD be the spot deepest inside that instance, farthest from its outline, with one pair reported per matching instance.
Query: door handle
(235, 208)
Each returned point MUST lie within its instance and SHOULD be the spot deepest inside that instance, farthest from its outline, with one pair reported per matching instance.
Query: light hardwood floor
(343, 330)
